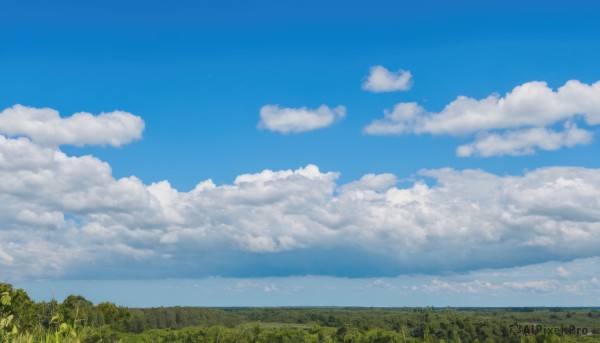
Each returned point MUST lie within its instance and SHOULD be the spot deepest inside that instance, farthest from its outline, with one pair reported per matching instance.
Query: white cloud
(294, 120)
(525, 141)
(522, 118)
(62, 214)
(45, 126)
(382, 80)
(398, 121)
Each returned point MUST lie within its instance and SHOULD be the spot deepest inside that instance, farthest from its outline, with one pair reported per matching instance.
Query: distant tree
(75, 310)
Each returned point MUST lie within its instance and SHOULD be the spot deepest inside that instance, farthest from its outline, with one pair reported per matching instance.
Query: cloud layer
(568, 284)
(66, 215)
(45, 126)
(382, 80)
(516, 124)
(294, 120)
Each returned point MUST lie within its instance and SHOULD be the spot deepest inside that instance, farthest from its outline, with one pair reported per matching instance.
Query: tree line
(77, 319)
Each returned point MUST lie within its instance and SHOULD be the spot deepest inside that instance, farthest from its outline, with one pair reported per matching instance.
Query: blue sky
(404, 143)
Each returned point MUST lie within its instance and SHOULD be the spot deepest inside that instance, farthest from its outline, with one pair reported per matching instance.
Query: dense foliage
(76, 319)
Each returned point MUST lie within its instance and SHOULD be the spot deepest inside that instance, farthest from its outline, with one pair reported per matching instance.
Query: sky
(314, 153)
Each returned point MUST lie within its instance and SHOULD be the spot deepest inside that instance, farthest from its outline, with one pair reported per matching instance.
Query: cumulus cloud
(382, 80)
(516, 124)
(45, 126)
(294, 120)
(67, 215)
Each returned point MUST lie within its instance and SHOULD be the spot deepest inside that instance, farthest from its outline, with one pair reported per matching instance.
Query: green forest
(77, 319)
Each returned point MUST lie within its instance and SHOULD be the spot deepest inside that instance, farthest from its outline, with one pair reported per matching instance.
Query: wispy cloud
(562, 271)
(526, 141)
